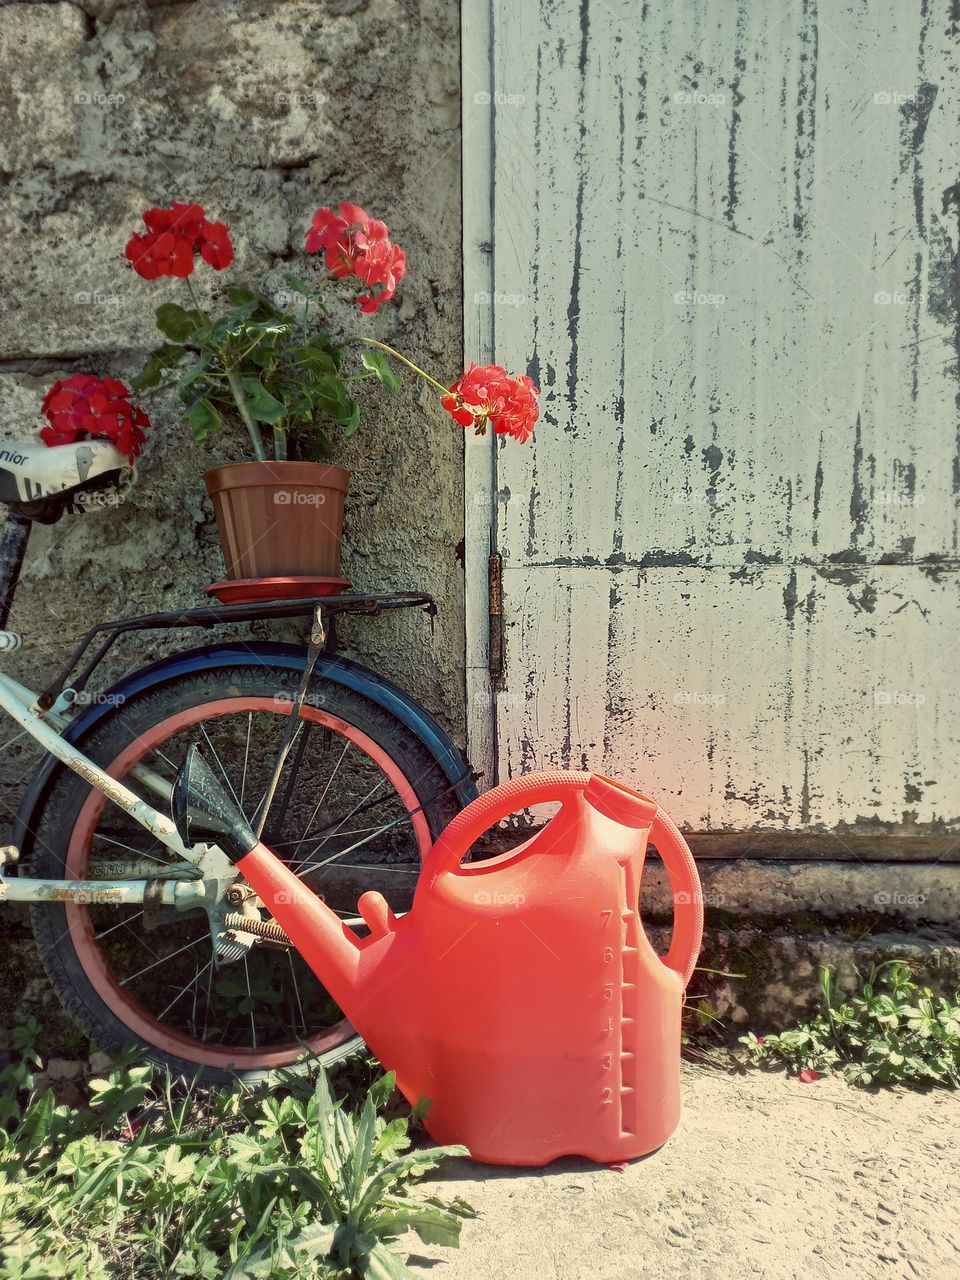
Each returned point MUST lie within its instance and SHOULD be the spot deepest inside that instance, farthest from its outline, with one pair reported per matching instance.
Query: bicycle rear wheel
(358, 805)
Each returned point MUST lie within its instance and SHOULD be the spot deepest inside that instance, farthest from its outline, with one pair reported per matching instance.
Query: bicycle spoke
(98, 936)
(128, 848)
(266, 794)
(196, 977)
(350, 848)
(253, 1025)
(246, 757)
(296, 990)
(162, 960)
(219, 763)
(206, 1014)
(323, 795)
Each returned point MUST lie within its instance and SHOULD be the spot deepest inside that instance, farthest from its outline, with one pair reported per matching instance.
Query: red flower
(382, 267)
(354, 244)
(173, 238)
(489, 394)
(808, 1075)
(84, 407)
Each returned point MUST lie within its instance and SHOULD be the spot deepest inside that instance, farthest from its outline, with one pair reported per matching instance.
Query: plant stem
(195, 300)
(372, 342)
(236, 389)
(240, 400)
(279, 442)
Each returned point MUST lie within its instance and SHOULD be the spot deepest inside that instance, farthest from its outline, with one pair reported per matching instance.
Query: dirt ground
(765, 1177)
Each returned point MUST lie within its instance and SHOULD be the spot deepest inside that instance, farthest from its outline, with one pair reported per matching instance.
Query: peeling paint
(744, 255)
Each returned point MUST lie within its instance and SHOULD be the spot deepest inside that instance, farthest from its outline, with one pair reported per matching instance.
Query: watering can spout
(623, 805)
(199, 800)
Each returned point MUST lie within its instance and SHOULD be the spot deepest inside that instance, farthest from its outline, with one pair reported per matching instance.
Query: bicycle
(152, 942)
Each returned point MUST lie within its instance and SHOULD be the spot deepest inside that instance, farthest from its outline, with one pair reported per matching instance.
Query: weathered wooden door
(723, 239)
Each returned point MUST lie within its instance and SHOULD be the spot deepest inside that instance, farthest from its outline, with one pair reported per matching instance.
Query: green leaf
(311, 357)
(178, 323)
(299, 284)
(195, 371)
(351, 421)
(434, 1224)
(382, 1263)
(379, 365)
(239, 296)
(204, 418)
(263, 406)
(164, 357)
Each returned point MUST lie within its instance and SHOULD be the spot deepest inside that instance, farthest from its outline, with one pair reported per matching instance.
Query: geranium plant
(84, 407)
(281, 370)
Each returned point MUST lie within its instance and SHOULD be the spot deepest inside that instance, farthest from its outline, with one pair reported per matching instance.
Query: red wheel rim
(122, 1003)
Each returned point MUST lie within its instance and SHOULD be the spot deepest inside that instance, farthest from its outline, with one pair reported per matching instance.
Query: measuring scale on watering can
(520, 994)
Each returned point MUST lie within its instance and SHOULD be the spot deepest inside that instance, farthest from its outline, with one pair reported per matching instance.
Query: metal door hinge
(495, 612)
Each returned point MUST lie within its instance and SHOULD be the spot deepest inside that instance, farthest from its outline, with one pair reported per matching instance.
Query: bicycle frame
(20, 703)
(205, 869)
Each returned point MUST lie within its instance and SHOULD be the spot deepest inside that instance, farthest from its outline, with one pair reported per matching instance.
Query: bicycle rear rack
(208, 616)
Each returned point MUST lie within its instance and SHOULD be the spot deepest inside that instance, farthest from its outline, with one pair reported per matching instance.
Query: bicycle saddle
(33, 473)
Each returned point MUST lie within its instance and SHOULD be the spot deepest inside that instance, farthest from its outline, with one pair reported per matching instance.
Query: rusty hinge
(495, 612)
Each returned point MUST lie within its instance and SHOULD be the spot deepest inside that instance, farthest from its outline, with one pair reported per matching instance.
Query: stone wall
(261, 112)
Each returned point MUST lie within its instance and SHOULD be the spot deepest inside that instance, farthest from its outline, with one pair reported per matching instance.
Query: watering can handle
(687, 895)
(519, 793)
(495, 805)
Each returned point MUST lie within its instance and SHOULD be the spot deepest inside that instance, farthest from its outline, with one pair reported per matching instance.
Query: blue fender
(338, 670)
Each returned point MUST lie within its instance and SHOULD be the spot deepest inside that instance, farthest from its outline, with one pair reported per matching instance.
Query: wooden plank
(741, 324)
(477, 123)
(800, 846)
(729, 236)
(772, 699)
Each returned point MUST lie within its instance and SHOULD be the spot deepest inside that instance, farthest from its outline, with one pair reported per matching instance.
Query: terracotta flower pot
(279, 519)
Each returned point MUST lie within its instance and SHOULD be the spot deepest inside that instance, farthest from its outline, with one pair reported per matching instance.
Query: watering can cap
(618, 802)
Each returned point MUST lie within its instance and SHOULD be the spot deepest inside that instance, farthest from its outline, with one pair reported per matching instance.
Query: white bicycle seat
(29, 472)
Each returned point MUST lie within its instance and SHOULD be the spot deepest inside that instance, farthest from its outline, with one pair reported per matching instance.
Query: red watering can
(519, 994)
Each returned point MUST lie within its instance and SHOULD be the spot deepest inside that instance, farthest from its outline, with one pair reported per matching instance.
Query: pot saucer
(254, 590)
